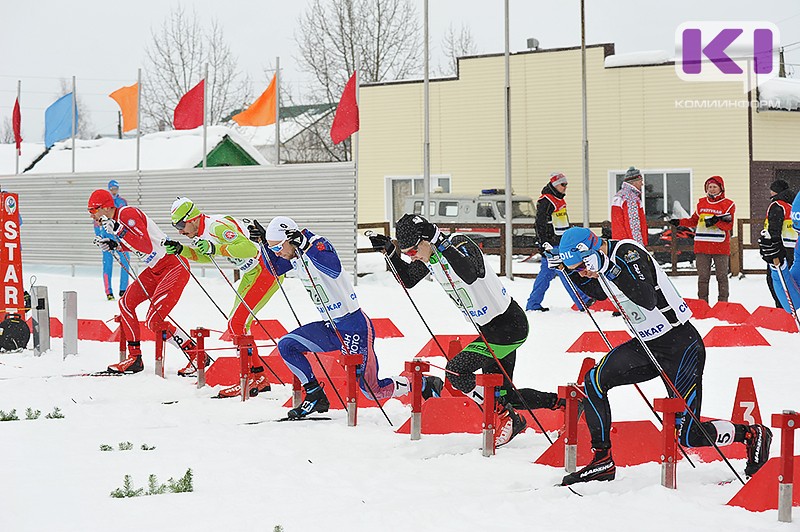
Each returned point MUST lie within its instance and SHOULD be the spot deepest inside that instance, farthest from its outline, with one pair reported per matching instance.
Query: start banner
(11, 256)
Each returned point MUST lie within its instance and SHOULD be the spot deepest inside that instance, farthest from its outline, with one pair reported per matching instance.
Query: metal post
(669, 455)
(159, 365)
(70, 324)
(570, 394)
(200, 334)
(788, 422)
(40, 317)
(297, 392)
(277, 111)
(351, 362)
(509, 247)
(489, 381)
(123, 343)
(426, 143)
(245, 344)
(416, 367)
(585, 138)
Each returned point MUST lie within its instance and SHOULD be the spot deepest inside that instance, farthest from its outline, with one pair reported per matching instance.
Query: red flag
(345, 121)
(16, 120)
(189, 111)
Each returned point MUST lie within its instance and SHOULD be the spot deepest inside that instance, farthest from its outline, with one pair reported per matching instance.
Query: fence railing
(745, 226)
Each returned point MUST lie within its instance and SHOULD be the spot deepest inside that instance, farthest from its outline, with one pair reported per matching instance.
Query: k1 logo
(727, 51)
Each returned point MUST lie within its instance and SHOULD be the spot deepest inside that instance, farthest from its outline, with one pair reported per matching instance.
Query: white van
(489, 207)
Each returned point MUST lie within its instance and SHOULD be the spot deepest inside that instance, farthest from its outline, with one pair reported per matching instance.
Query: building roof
(163, 150)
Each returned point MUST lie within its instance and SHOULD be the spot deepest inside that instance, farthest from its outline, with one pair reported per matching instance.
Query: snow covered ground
(325, 475)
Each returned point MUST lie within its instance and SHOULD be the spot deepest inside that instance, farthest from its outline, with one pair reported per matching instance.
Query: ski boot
(431, 386)
(314, 401)
(757, 439)
(190, 370)
(508, 423)
(256, 383)
(132, 364)
(601, 467)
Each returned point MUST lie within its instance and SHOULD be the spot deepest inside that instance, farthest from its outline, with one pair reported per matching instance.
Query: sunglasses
(93, 210)
(277, 247)
(180, 225)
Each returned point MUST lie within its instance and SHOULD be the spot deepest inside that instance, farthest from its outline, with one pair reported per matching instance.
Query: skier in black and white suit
(660, 317)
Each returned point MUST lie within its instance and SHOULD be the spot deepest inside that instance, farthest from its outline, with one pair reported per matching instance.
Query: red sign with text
(10, 256)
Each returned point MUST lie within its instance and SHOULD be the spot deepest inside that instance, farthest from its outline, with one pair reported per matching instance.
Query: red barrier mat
(730, 312)
(94, 330)
(772, 318)
(385, 328)
(603, 305)
(761, 492)
(734, 336)
(56, 329)
(446, 415)
(699, 308)
(432, 350)
(592, 342)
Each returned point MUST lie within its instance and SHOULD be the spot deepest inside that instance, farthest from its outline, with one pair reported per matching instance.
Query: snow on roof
(654, 57)
(780, 93)
(163, 150)
(30, 151)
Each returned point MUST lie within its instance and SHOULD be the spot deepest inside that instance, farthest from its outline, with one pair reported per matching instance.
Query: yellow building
(677, 132)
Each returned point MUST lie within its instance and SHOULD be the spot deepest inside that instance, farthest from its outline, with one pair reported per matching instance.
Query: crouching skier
(482, 300)
(626, 271)
(219, 235)
(344, 325)
(162, 280)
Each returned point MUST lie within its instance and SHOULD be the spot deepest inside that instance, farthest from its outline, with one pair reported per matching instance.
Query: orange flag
(262, 112)
(128, 100)
(345, 121)
(188, 113)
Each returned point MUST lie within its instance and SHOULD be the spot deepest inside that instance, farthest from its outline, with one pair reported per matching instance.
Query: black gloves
(675, 222)
(771, 249)
(297, 238)
(712, 220)
(173, 247)
(257, 232)
(382, 243)
(430, 232)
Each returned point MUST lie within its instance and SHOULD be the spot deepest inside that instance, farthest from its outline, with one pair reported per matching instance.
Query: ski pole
(574, 290)
(664, 377)
(486, 342)
(785, 286)
(241, 299)
(408, 294)
(338, 334)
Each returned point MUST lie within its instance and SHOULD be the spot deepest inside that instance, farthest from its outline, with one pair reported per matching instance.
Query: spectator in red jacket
(627, 209)
(712, 221)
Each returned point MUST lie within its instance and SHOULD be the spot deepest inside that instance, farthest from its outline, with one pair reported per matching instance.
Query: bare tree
(455, 44)
(7, 132)
(384, 35)
(177, 56)
(85, 126)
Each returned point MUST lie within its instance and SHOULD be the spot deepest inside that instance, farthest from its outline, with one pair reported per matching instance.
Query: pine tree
(10, 416)
(32, 414)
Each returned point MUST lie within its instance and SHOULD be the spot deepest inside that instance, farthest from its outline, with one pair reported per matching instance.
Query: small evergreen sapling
(106, 447)
(127, 490)
(182, 485)
(10, 416)
(32, 414)
(55, 414)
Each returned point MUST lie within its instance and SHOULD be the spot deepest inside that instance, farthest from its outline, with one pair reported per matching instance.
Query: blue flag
(58, 120)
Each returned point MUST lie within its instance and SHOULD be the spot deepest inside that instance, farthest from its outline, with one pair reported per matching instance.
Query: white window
(398, 188)
(665, 192)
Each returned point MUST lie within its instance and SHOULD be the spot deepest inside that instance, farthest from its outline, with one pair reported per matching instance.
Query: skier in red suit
(161, 281)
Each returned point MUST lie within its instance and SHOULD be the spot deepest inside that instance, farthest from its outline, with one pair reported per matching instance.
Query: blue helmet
(568, 247)
(113, 183)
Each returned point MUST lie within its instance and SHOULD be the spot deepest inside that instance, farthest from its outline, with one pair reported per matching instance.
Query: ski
(569, 488)
(104, 373)
(280, 420)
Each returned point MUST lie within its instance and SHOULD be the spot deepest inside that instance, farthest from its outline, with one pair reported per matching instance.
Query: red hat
(101, 199)
(715, 179)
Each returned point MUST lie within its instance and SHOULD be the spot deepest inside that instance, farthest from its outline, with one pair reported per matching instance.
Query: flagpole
(16, 152)
(355, 158)
(138, 116)
(507, 124)
(585, 139)
(277, 110)
(426, 144)
(74, 121)
(205, 121)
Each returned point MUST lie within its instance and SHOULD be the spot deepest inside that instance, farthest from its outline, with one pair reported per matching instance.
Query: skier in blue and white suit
(108, 258)
(333, 294)
(772, 250)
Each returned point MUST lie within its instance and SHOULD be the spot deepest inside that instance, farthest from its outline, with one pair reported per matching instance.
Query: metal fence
(56, 228)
